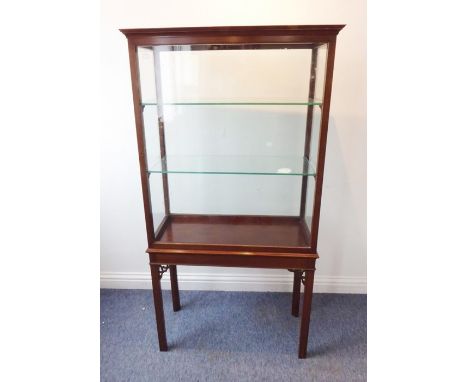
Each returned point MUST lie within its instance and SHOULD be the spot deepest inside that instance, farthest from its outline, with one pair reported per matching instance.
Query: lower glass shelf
(257, 102)
(224, 164)
(279, 231)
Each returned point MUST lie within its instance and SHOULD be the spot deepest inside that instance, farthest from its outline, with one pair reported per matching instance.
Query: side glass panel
(310, 192)
(320, 70)
(151, 131)
(147, 73)
(152, 144)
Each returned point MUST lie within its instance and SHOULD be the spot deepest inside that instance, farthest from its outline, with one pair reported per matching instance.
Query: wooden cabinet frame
(298, 259)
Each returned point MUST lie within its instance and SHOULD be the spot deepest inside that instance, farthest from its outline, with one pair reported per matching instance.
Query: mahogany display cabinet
(231, 126)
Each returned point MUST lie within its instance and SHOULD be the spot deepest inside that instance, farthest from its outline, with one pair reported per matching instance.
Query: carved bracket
(301, 272)
(162, 269)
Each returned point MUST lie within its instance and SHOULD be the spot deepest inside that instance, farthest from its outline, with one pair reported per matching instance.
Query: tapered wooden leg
(174, 288)
(158, 306)
(306, 308)
(296, 293)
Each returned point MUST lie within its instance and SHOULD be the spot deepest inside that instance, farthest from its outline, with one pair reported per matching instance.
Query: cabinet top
(323, 30)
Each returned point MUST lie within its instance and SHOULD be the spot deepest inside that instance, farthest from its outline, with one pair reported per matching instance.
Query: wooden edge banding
(267, 34)
(227, 30)
(233, 261)
(235, 253)
(220, 248)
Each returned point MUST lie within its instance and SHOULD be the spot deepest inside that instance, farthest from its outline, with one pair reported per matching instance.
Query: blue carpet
(231, 336)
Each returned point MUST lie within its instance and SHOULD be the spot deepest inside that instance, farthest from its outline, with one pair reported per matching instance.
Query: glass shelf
(240, 165)
(234, 103)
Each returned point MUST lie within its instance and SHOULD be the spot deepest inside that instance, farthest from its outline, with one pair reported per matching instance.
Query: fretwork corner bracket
(302, 274)
(161, 270)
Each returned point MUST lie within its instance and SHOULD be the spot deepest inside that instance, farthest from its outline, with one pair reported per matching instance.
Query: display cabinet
(231, 126)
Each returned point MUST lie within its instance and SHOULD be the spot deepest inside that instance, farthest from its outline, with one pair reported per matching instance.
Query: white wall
(342, 237)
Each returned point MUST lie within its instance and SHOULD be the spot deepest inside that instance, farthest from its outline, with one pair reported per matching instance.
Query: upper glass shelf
(227, 103)
(240, 165)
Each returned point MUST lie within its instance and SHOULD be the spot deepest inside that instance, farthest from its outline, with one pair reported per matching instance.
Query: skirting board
(233, 282)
